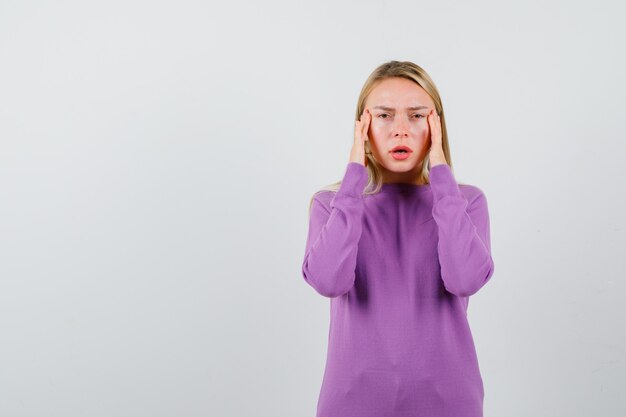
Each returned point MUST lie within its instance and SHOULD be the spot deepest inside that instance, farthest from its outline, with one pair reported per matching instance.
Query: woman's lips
(401, 147)
(401, 155)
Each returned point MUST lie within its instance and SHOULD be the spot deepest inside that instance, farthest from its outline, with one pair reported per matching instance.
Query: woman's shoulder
(471, 191)
(324, 196)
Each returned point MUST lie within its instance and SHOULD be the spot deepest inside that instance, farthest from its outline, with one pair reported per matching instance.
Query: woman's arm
(331, 248)
(464, 245)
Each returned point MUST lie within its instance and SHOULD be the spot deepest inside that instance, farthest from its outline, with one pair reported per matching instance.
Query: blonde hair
(412, 72)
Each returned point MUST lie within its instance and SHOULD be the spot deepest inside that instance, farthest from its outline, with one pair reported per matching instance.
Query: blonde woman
(399, 246)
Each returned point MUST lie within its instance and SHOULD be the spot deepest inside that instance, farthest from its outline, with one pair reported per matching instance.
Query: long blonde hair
(417, 74)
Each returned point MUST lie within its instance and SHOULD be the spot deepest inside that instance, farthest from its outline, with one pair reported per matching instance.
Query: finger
(365, 125)
(430, 123)
(437, 122)
(433, 120)
(357, 129)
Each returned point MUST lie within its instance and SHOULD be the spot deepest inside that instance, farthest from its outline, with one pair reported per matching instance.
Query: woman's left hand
(436, 155)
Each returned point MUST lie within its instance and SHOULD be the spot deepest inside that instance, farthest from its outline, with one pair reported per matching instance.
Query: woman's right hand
(361, 127)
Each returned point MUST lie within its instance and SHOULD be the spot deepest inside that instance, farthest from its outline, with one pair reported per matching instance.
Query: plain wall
(157, 160)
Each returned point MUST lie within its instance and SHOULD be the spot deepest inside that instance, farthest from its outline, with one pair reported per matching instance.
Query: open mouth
(401, 153)
(401, 149)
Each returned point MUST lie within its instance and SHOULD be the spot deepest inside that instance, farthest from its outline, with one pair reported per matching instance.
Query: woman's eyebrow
(386, 108)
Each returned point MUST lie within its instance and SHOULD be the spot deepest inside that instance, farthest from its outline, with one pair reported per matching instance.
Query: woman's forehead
(399, 94)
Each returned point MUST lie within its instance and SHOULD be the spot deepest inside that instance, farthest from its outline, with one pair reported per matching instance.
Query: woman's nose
(401, 127)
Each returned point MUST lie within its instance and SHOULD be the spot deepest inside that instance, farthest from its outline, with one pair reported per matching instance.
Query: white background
(157, 161)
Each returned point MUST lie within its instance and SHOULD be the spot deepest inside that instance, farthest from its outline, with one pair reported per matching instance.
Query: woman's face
(399, 109)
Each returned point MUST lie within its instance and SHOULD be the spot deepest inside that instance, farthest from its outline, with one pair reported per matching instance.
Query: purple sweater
(399, 267)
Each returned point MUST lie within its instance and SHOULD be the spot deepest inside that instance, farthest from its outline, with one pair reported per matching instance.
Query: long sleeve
(331, 248)
(464, 245)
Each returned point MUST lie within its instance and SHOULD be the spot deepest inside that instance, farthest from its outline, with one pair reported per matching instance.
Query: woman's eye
(386, 116)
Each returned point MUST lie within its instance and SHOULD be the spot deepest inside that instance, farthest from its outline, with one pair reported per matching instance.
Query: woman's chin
(399, 166)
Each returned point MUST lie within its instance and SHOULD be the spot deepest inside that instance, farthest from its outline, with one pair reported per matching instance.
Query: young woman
(399, 246)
